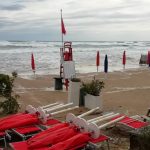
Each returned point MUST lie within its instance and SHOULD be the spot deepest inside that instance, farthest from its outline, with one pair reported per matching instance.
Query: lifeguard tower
(67, 65)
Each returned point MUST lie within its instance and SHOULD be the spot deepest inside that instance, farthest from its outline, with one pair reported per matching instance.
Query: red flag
(124, 58)
(32, 62)
(63, 30)
(97, 59)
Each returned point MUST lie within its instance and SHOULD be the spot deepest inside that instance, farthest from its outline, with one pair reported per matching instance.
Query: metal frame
(24, 136)
(124, 125)
(93, 146)
(3, 138)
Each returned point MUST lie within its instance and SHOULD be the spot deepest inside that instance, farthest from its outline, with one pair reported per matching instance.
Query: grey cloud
(12, 7)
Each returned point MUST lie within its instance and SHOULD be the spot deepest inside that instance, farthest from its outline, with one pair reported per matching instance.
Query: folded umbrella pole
(23, 119)
(45, 114)
(44, 117)
(62, 131)
(32, 110)
(94, 129)
(100, 117)
(71, 117)
(50, 105)
(86, 134)
(51, 137)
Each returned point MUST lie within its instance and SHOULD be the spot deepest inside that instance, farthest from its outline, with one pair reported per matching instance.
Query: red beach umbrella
(72, 142)
(17, 121)
(124, 58)
(54, 138)
(45, 133)
(97, 60)
(32, 62)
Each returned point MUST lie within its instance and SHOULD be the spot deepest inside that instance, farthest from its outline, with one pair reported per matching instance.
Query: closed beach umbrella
(72, 143)
(54, 138)
(32, 62)
(106, 64)
(124, 59)
(18, 121)
(148, 58)
(97, 60)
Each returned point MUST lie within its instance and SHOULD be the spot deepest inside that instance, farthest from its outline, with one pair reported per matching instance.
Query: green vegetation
(94, 87)
(144, 138)
(8, 102)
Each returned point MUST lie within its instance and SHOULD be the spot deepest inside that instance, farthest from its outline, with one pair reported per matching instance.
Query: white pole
(88, 112)
(53, 109)
(59, 105)
(64, 110)
(100, 117)
(49, 105)
(111, 122)
(106, 118)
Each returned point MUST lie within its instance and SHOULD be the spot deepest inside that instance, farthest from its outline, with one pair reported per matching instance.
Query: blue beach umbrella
(106, 64)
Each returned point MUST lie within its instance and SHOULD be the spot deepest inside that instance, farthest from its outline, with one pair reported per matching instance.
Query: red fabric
(100, 139)
(32, 62)
(2, 133)
(19, 145)
(43, 134)
(54, 138)
(17, 121)
(97, 59)
(124, 58)
(131, 122)
(27, 129)
(52, 122)
(63, 30)
(71, 143)
(10, 116)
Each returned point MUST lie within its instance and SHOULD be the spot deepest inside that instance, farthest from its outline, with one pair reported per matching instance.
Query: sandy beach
(127, 91)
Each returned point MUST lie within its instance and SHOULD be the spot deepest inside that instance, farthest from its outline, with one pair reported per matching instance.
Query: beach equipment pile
(75, 132)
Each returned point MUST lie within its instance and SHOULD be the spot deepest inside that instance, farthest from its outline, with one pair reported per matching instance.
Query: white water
(16, 56)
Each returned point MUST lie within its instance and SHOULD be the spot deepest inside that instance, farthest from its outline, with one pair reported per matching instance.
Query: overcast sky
(92, 20)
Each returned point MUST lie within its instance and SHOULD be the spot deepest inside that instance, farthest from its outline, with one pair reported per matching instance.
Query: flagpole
(61, 29)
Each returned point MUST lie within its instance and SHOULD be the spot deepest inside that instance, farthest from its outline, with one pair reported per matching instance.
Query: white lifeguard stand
(67, 65)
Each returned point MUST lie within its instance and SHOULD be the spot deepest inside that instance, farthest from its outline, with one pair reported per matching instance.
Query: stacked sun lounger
(74, 133)
(28, 123)
(130, 123)
(61, 136)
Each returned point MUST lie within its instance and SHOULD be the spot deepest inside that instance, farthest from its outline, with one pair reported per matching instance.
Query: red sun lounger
(39, 136)
(131, 123)
(26, 131)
